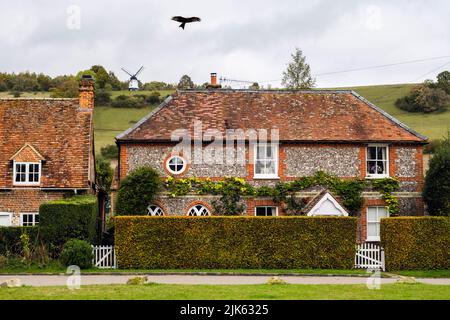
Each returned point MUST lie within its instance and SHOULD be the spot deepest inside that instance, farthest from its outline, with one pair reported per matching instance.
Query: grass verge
(230, 292)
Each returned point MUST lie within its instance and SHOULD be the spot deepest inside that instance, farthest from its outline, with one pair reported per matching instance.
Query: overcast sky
(238, 39)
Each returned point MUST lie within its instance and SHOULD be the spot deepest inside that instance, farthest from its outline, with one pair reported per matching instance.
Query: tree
(298, 73)
(104, 174)
(443, 81)
(66, 89)
(185, 83)
(436, 192)
(254, 86)
(137, 191)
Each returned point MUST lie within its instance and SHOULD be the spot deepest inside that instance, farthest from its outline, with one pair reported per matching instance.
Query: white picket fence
(104, 257)
(369, 256)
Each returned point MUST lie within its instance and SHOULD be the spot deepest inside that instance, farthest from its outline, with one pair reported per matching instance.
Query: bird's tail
(182, 25)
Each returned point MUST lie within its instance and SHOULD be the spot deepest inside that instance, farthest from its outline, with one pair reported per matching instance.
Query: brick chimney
(86, 90)
(213, 84)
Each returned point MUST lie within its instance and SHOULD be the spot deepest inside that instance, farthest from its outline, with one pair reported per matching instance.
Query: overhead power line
(360, 69)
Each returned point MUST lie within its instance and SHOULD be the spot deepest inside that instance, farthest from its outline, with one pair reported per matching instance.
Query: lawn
(231, 292)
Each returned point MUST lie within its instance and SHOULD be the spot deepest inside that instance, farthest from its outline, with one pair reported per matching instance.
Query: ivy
(232, 190)
(386, 187)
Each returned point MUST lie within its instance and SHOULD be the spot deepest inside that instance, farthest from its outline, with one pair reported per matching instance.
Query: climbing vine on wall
(232, 190)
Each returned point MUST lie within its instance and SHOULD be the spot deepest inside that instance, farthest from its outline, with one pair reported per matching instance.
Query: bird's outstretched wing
(193, 19)
(179, 19)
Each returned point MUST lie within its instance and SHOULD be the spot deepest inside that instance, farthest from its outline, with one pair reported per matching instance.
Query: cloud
(250, 40)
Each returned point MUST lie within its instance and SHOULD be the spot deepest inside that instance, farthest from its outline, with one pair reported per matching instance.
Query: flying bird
(184, 20)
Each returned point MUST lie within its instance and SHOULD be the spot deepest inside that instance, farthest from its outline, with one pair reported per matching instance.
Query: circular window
(154, 210)
(176, 165)
(198, 210)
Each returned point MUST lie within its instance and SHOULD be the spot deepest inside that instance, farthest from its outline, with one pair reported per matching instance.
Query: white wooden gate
(369, 256)
(104, 257)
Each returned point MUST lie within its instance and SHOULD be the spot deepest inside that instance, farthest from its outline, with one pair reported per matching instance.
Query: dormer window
(27, 173)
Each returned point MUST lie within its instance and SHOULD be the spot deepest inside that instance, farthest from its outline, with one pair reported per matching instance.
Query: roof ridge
(288, 91)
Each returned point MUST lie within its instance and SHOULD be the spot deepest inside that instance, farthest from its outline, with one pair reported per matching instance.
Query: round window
(176, 165)
(154, 210)
(198, 210)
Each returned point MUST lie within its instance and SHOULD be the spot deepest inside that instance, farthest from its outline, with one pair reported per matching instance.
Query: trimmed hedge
(10, 239)
(235, 242)
(416, 242)
(74, 217)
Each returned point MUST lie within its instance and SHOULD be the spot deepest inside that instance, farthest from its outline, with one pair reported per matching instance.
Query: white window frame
(176, 172)
(153, 211)
(9, 214)
(255, 154)
(276, 210)
(197, 215)
(27, 168)
(374, 238)
(377, 176)
(34, 214)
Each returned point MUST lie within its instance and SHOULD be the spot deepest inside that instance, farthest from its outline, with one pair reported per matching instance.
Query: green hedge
(10, 239)
(74, 217)
(416, 242)
(235, 242)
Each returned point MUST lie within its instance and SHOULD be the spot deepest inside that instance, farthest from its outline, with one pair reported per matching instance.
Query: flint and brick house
(336, 131)
(46, 153)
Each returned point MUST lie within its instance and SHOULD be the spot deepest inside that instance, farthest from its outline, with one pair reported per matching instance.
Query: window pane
(372, 214)
(260, 211)
(372, 167)
(270, 167)
(381, 153)
(259, 167)
(372, 153)
(382, 212)
(261, 152)
(270, 152)
(36, 219)
(372, 230)
(381, 167)
(271, 211)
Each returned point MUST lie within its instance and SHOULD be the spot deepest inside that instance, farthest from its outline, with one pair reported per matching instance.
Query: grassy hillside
(109, 122)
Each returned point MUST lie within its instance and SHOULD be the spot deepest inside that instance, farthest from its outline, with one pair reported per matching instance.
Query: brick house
(338, 132)
(46, 153)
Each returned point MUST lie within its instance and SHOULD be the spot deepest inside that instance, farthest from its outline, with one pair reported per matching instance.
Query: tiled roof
(56, 130)
(301, 116)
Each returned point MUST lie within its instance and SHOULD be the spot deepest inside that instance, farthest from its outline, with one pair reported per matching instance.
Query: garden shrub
(416, 242)
(436, 191)
(235, 242)
(77, 252)
(10, 243)
(137, 191)
(74, 217)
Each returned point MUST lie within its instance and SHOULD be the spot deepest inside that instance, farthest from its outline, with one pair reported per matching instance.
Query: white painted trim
(277, 156)
(329, 197)
(197, 211)
(26, 183)
(377, 176)
(10, 217)
(276, 210)
(176, 172)
(32, 213)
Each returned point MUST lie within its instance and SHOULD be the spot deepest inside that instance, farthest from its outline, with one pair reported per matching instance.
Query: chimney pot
(213, 84)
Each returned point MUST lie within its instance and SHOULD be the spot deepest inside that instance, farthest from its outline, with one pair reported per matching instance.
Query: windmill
(133, 85)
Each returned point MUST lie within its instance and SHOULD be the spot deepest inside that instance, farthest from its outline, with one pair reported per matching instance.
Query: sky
(245, 40)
